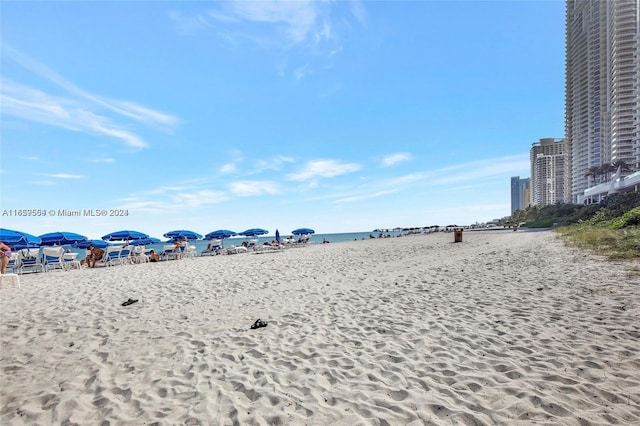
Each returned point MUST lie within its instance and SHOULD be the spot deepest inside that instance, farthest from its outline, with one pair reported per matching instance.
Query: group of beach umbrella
(19, 240)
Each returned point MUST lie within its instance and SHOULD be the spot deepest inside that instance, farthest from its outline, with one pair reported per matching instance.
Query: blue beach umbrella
(17, 239)
(303, 231)
(61, 238)
(124, 236)
(183, 235)
(254, 232)
(278, 236)
(96, 243)
(144, 241)
(220, 234)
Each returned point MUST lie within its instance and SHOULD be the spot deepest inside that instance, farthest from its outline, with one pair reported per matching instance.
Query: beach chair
(53, 258)
(189, 251)
(252, 244)
(13, 278)
(235, 250)
(112, 256)
(167, 252)
(70, 261)
(125, 256)
(215, 247)
(29, 260)
(140, 255)
(14, 262)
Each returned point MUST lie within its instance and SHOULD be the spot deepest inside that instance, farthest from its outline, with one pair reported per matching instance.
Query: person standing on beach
(5, 251)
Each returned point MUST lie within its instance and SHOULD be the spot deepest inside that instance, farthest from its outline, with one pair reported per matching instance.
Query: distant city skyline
(340, 116)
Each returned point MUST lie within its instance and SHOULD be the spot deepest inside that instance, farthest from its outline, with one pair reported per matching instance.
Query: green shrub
(630, 218)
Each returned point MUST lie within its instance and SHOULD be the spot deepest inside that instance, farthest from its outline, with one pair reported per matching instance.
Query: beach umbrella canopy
(254, 232)
(303, 231)
(61, 238)
(124, 236)
(278, 236)
(183, 235)
(96, 243)
(144, 241)
(18, 239)
(220, 234)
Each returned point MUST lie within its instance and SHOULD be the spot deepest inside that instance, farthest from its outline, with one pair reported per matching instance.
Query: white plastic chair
(13, 278)
(30, 259)
(70, 261)
(53, 258)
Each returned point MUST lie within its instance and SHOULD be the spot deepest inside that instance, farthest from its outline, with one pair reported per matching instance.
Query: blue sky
(340, 115)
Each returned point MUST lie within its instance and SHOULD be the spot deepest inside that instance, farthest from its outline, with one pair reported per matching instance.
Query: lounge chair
(71, 261)
(125, 256)
(169, 252)
(53, 258)
(189, 251)
(140, 255)
(29, 259)
(14, 262)
(235, 250)
(214, 247)
(112, 256)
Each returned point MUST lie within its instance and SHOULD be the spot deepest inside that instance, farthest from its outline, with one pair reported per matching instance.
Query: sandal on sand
(259, 323)
(129, 302)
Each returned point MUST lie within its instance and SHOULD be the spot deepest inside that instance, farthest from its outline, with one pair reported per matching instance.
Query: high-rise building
(548, 172)
(602, 89)
(520, 193)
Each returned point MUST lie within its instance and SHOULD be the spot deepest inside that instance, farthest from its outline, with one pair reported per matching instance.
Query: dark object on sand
(259, 323)
(129, 302)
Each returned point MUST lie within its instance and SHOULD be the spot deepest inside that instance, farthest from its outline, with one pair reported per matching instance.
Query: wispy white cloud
(253, 188)
(64, 176)
(198, 198)
(34, 105)
(106, 160)
(364, 197)
(470, 174)
(358, 10)
(169, 189)
(296, 20)
(187, 24)
(275, 163)
(312, 28)
(79, 110)
(396, 158)
(228, 168)
(324, 169)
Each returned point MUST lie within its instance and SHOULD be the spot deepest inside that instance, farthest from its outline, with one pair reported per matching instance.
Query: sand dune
(503, 328)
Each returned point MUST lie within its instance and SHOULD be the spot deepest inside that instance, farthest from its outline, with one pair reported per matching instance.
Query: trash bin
(457, 235)
(515, 227)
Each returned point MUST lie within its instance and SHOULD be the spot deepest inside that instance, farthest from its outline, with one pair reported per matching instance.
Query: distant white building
(547, 172)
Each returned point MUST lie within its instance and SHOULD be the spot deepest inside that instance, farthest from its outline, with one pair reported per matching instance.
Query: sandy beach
(504, 328)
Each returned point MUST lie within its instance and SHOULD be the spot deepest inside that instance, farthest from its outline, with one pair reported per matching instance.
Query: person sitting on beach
(5, 253)
(94, 255)
(153, 256)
